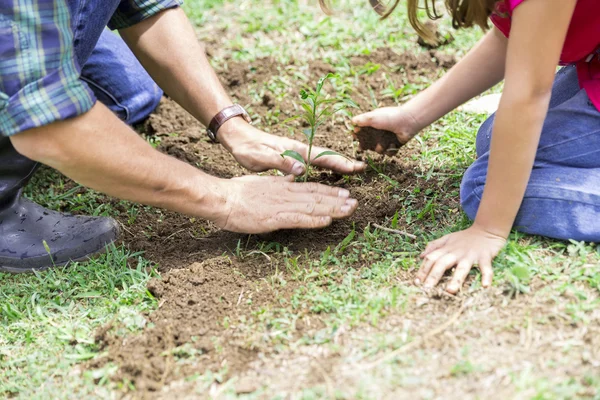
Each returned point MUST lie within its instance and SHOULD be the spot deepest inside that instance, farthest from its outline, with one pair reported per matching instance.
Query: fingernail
(351, 202)
(297, 169)
(325, 220)
(345, 208)
(343, 193)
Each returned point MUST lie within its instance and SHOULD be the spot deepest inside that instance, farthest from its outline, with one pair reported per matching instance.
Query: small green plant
(317, 108)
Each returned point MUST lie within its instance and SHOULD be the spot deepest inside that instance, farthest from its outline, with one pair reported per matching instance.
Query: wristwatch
(223, 116)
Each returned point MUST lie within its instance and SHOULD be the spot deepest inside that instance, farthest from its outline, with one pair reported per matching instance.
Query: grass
(48, 320)
(355, 301)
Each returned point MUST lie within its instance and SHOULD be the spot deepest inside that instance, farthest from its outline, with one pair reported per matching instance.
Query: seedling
(317, 108)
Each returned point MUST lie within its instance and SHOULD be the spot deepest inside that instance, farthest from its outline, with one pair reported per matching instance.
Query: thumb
(378, 119)
(285, 164)
(365, 119)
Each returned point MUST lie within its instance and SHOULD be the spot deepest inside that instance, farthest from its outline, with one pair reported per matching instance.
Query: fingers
(376, 119)
(438, 270)
(323, 207)
(487, 273)
(426, 266)
(434, 245)
(300, 221)
(287, 165)
(263, 179)
(317, 188)
(460, 274)
(337, 163)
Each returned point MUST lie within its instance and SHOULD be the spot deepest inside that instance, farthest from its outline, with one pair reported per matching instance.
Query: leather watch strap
(224, 115)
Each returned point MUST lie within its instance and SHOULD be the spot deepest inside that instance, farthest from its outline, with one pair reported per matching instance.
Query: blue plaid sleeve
(39, 76)
(130, 12)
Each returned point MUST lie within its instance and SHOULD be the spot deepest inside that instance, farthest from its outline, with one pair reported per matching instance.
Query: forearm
(478, 71)
(99, 151)
(167, 47)
(516, 135)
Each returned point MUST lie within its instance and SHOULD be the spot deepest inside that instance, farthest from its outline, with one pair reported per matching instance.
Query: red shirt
(582, 44)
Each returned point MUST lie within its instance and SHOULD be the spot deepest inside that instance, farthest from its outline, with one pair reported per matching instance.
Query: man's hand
(259, 204)
(465, 249)
(259, 151)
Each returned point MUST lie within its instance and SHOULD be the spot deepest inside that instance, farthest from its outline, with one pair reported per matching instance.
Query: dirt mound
(195, 305)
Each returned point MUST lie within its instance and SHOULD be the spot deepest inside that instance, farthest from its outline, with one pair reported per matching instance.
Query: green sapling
(317, 108)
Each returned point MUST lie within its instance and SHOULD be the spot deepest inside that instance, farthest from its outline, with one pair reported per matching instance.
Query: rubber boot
(34, 238)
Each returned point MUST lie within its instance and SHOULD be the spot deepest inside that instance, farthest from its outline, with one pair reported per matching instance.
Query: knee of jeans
(484, 136)
(471, 189)
(143, 102)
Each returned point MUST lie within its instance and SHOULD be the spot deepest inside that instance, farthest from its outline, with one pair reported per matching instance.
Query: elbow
(40, 145)
(528, 96)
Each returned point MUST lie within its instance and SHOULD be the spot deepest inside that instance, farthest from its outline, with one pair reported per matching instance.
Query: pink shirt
(582, 43)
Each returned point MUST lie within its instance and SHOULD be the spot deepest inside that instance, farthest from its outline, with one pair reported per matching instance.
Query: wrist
(416, 117)
(211, 199)
(232, 131)
(494, 229)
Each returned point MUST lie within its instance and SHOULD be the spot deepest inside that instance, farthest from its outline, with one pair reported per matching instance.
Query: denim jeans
(562, 199)
(109, 68)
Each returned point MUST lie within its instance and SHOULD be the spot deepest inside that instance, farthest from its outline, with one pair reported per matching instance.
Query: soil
(378, 140)
(204, 285)
(439, 38)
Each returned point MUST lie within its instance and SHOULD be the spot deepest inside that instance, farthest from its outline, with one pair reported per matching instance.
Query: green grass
(48, 320)
(357, 294)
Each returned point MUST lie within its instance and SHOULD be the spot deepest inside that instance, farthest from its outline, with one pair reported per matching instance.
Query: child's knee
(484, 136)
(471, 189)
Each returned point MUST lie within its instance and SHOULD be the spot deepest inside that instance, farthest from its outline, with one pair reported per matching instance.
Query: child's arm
(479, 70)
(538, 32)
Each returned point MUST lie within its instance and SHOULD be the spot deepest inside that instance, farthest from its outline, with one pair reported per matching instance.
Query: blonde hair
(464, 13)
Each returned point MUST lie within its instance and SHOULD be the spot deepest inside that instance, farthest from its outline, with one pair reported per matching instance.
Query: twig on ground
(396, 231)
(240, 298)
(418, 341)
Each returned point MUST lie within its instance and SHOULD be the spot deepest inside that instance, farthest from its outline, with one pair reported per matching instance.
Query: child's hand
(393, 119)
(465, 249)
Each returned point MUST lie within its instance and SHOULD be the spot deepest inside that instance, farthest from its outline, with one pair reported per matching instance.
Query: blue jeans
(119, 81)
(562, 199)
(109, 68)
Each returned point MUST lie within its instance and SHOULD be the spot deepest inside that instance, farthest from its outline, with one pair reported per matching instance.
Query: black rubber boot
(34, 238)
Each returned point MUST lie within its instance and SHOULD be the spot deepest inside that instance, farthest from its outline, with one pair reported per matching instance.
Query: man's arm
(98, 150)
(167, 47)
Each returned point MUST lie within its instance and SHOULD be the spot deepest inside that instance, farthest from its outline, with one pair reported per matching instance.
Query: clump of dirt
(378, 140)
(439, 39)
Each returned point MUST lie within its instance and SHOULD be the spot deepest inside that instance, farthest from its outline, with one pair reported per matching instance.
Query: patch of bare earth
(483, 345)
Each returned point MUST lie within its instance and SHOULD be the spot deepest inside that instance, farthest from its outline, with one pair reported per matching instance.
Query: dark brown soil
(378, 140)
(205, 290)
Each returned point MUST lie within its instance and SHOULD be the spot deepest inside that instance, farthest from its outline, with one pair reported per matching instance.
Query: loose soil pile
(200, 287)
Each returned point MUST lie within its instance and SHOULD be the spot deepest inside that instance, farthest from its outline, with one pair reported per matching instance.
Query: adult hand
(465, 249)
(260, 204)
(394, 119)
(259, 151)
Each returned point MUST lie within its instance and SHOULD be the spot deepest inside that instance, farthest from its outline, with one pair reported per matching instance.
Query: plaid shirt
(39, 72)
